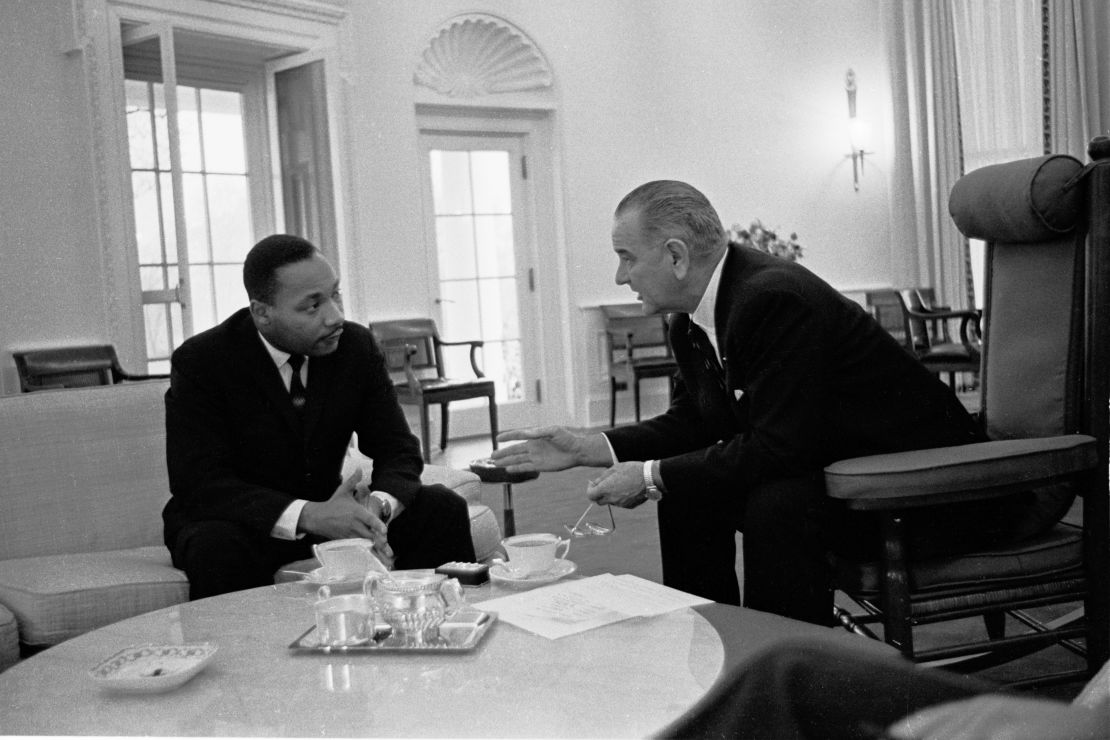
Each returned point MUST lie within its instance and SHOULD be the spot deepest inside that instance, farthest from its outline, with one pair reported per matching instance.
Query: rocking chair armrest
(475, 345)
(944, 475)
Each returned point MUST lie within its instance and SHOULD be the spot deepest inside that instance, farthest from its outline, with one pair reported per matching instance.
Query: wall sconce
(858, 131)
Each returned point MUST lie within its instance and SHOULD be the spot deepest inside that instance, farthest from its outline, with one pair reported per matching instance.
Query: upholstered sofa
(82, 486)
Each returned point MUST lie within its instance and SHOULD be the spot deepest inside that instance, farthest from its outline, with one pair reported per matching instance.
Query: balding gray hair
(671, 209)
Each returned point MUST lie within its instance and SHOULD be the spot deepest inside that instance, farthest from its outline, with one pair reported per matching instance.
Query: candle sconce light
(858, 131)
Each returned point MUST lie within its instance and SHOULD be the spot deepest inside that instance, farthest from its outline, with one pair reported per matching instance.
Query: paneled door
(481, 254)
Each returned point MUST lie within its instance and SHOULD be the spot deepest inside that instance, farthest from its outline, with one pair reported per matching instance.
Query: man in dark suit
(779, 375)
(259, 415)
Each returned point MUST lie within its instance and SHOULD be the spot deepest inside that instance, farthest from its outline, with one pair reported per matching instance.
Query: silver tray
(459, 634)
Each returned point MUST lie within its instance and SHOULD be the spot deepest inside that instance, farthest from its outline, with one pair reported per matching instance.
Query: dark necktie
(296, 388)
(700, 340)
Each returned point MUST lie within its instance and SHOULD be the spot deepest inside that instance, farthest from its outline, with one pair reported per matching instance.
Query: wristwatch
(386, 509)
(650, 488)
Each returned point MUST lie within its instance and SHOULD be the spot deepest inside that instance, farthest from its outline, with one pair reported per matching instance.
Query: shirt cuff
(612, 455)
(395, 506)
(286, 526)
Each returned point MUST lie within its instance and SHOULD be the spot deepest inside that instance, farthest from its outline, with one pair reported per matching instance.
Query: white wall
(744, 100)
(51, 290)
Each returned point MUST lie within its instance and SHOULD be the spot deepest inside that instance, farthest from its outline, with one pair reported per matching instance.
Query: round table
(627, 679)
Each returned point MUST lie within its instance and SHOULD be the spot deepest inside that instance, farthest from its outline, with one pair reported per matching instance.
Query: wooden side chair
(926, 332)
(911, 316)
(414, 356)
(638, 349)
(1045, 385)
(886, 307)
(72, 367)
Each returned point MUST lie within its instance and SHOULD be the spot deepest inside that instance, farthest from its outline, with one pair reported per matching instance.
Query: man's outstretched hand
(343, 516)
(547, 449)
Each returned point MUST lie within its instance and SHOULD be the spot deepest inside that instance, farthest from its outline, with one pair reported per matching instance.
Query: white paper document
(570, 607)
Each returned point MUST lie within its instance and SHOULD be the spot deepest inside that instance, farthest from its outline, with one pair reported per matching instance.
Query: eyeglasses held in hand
(582, 528)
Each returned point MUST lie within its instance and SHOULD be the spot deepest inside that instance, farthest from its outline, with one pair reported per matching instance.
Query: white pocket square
(738, 393)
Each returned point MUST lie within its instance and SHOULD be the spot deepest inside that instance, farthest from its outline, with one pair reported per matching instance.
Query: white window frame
(96, 39)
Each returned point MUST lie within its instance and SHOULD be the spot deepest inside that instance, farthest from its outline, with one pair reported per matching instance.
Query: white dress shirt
(286, 526)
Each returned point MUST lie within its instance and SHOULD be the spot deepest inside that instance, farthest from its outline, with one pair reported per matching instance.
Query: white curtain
(927, 156)
(1077, 82)
(998, 59)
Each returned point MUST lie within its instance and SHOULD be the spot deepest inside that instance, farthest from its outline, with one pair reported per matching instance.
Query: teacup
(348, 558)
(343, 620)
(533, 553)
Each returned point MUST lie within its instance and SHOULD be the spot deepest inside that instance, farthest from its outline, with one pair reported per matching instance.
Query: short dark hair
(264, 259)
(674, 209)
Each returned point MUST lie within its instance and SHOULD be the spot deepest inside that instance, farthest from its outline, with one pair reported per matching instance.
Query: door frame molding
(537, 131)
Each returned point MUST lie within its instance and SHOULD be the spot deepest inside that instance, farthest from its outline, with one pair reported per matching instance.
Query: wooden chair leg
(897, 625)
(444, 423)
(995, 623)
(612, 401)
(425, 434)
(493, 419)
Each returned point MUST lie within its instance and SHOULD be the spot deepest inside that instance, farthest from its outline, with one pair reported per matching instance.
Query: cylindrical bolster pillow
(1022, 201)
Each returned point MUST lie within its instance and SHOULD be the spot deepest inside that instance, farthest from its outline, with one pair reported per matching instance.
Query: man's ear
(678, 256)
(260, 312)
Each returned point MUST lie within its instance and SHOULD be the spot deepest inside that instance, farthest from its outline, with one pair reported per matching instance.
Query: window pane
(148, 236)
(456, 362)
(450, 181)
(494, 235)
(169, 230)
(498, 307)
(196, 220)
(460, 311)
(503, 365)
(230, 214)
(204, 312)
(455, 247)
(140, 139)
(222, 119)
(188, 127)
(178, 329)
(152, 278)
(229, 291)
(157, 330)
(491, 176)
(161, 130)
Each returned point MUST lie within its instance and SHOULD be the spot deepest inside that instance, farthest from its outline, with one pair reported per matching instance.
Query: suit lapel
(321, 379)
(267, 375)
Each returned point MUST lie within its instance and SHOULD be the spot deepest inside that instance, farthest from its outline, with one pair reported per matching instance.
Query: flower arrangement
(766, 240)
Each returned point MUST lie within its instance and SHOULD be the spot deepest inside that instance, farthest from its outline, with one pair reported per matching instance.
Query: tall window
(217, 213)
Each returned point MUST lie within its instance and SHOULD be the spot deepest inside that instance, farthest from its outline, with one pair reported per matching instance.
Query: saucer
(561, 568)
(149, 669)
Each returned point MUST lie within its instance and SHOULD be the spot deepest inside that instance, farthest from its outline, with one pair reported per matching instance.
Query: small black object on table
(490, 472)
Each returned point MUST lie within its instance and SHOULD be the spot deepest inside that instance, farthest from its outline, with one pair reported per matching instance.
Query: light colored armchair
(82, 485)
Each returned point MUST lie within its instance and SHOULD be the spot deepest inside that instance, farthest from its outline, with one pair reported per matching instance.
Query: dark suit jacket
(233, 445)
(809, 378)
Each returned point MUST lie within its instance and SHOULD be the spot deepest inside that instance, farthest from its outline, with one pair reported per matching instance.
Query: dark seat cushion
(1054, 552)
